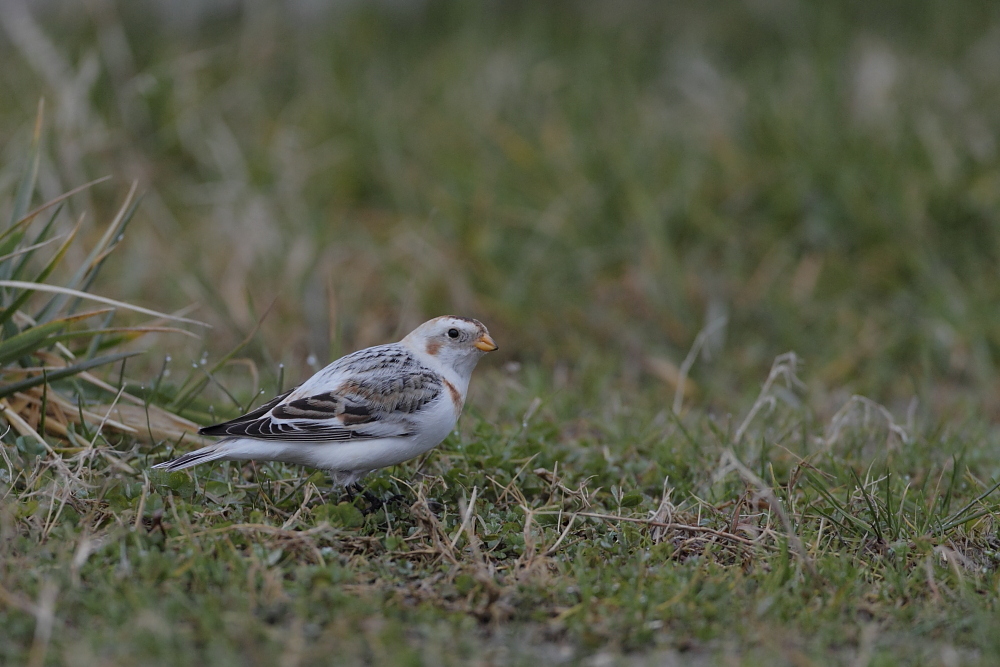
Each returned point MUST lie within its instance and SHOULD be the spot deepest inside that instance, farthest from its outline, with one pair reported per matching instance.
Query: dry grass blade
(68, 371)
(31, 248)
(730, 462)
(683, 527)
(63, 197)
(151, 424)
(59, 412)
(56, 289)
(692, 356)
(784, 366)
(841, 419)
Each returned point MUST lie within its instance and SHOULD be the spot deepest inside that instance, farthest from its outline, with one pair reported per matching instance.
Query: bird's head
(456, 342)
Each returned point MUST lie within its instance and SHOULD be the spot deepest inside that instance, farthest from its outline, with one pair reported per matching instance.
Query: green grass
(598, 187)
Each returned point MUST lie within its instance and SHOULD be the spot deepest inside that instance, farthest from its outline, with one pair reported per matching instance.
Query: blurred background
(598, 182)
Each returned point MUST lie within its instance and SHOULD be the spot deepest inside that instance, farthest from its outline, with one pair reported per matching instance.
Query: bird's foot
(354, 491)
(375, 503)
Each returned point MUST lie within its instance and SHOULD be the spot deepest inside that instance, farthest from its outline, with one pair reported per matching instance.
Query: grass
(649, 208)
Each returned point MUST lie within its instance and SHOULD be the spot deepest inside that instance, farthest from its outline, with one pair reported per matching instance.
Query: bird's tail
(212, 452)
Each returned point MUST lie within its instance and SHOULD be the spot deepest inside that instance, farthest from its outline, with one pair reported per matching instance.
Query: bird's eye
(452, 333)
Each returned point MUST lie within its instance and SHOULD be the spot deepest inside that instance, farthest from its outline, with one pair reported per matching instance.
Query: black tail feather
(202, 455)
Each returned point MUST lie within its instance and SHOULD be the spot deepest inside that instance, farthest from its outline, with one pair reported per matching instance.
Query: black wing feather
(223, 428)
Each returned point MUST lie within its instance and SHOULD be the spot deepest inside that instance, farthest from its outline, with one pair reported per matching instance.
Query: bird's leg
(344, 486)
(353, 490)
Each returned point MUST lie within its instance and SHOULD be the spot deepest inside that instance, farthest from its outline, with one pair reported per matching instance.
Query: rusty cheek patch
(456, 397)
(433, 347)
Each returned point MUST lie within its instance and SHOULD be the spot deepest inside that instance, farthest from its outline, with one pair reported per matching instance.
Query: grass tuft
(48, 349)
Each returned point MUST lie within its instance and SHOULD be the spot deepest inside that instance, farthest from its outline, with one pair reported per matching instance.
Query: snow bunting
(370, 409)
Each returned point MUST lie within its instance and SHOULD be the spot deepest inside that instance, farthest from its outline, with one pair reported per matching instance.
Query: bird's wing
(373, 393)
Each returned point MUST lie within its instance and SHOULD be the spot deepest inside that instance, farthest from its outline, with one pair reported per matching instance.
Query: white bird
(368, 410)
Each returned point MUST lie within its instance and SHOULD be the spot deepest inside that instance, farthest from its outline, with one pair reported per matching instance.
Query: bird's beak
(486, 344)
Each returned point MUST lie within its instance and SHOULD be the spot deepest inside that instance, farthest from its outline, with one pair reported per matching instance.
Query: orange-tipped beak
(486, 344)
